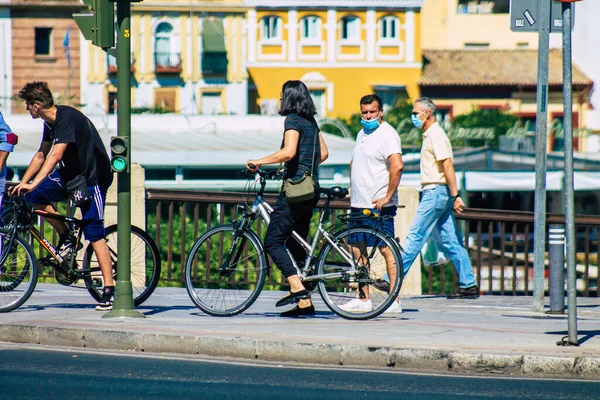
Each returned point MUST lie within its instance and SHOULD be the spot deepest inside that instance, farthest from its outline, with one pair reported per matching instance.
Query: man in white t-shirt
(375, 172)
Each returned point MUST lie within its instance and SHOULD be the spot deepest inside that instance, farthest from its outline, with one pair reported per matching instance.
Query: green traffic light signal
(118, 164)
(119, 151)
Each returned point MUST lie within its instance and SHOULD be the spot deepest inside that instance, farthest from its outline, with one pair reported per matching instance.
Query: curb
(418, 360)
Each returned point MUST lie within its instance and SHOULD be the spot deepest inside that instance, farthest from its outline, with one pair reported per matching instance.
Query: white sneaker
(358, 306)
(394, 308)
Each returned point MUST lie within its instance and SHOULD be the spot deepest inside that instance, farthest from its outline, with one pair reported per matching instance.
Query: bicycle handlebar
(262, 173)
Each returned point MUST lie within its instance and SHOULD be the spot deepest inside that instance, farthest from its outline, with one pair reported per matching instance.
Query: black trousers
(286, 218)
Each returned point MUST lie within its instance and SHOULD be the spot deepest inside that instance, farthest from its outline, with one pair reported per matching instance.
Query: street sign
(525, 16)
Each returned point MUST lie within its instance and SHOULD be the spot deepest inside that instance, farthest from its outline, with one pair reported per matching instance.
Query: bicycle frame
(37, 235)
(263, 209)
(44, 242)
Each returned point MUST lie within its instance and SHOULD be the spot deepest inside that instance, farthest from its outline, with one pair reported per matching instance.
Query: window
(160, 174)
(112, 102)
(388, 28)
(476, 46)
(443, 114)
(271, 28)
(310, 28)
(350, 29)
(391, 95)
(318, 96)
(43, 38)
(483, 6)
(162, 46)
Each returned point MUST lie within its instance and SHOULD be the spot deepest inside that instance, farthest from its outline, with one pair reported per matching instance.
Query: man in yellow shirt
(439, 197)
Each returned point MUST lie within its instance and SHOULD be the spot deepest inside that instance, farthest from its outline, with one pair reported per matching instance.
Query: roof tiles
(491, 67)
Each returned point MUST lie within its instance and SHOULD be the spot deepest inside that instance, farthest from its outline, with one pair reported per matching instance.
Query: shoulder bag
(302, 189)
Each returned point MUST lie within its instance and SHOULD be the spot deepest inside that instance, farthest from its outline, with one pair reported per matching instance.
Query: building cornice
(335, 3)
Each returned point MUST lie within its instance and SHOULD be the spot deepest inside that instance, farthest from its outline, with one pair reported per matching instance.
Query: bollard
(556, 249)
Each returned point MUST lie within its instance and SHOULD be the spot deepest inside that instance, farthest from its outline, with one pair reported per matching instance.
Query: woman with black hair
(301, 143)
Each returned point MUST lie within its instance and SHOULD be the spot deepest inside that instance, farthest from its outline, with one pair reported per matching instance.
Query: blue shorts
(51, 190)
(386, 225)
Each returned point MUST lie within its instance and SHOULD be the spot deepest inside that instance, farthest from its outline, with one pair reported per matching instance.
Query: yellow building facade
(187, 57)
(342, 50)
(233, 56)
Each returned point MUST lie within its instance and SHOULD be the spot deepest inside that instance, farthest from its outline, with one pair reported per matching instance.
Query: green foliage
(436, 283)
(496, 119)
(147, 110)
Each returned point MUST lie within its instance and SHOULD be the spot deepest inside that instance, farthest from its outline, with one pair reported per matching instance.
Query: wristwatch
(455, 197)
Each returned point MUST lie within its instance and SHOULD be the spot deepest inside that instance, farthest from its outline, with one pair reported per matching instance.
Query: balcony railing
(167, 63)
(111, 64)
(500, 243)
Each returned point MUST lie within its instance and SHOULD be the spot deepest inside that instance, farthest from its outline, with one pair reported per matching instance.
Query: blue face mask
(369, 125)
(416, 121)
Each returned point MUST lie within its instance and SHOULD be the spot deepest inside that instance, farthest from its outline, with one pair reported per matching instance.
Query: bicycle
(227, 266)
(19, 265)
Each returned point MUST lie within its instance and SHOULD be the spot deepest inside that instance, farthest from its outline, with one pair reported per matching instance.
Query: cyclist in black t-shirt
(301, 139)
(71, 142)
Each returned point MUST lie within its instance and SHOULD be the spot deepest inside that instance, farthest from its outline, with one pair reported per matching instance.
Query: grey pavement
(489, 335)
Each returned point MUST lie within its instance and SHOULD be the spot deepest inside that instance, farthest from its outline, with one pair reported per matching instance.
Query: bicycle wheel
(145, 264)
(18, 273)
(359, 284)
(224, 276)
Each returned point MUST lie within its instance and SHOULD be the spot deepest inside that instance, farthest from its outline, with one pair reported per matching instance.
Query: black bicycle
(19, 265)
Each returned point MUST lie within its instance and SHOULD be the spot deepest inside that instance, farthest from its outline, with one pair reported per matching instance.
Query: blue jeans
(435, 209)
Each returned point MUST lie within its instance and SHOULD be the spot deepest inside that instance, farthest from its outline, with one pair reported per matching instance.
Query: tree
(496, 119)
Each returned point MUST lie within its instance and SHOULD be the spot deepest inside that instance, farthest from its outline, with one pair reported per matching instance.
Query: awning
(213, 36)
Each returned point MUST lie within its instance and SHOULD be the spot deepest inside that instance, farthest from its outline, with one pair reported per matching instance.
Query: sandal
(293, 297)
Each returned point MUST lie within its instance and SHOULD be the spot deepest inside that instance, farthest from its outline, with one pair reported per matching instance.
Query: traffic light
(119, 154)
(99, 25)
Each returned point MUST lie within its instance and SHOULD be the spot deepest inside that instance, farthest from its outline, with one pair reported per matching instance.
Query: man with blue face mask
(375, 172)
(439, 196)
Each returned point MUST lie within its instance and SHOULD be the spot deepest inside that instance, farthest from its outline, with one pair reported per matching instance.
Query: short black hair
(370, 99)
(37, 92)
(296, 99)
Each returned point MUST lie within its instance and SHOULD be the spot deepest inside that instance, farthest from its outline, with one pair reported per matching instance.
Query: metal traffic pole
(123, 305)
(568, 184)
(541, 139)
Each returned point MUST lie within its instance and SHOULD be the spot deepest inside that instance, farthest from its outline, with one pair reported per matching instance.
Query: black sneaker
(465, 293)
(106, 302)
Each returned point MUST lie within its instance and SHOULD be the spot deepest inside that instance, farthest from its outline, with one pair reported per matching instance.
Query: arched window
(271, 28)
(389, 28)
(310, 28)
(350, 28)
(162, 45)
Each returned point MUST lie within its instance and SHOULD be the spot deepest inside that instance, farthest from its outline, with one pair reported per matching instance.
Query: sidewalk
(495, 335)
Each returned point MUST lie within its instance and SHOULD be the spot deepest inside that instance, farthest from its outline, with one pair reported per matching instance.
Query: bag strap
(312, 167)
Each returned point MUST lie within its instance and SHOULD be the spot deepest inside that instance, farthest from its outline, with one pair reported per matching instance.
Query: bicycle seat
(336, 192)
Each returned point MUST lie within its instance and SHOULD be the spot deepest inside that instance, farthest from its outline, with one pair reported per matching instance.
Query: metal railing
(167, 62)
(499, 242)
(176, 219)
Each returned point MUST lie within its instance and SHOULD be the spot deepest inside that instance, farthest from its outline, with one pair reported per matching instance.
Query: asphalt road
(27, 373)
